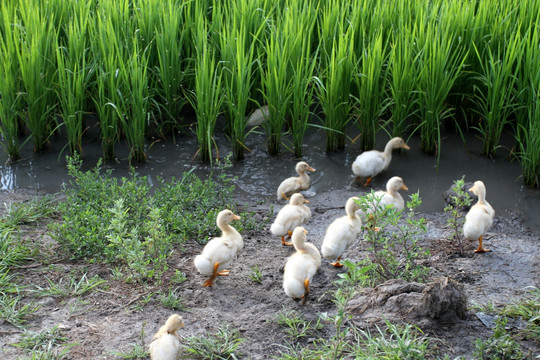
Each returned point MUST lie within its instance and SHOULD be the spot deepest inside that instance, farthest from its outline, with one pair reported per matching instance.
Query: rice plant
(528, 123)
(439, 67)
(496, 93)
(529, 144)
(370, 81)
(207, 97)
(136, 98)
(172, 48)
(37, 70)
(9, 82)
(334, 89)
(73, 79)
(300, 24)
(238, 60)
(109, 98)
(402, 81)
(275, 86)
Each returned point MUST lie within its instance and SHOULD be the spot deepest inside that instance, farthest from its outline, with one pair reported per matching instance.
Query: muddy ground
(111, 320)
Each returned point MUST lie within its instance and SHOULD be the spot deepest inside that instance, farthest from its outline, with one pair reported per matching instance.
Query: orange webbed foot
(368, 181)
(224, 273)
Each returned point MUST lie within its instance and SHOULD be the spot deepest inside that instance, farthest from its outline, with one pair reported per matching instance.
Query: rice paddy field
(150, 68)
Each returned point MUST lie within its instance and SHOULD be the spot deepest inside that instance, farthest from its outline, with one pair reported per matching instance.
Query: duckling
(391, 196)
(479, 218)
(370, 163)
(301, 266)
(220, 252)
(293, 214)
(295, 184)
(342, 232)
(166, 342)
(258, 116)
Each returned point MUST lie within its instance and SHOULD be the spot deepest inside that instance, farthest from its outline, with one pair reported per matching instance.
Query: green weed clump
(121, 222)
(392, 238)
(221, 345)
(460, 200)
(500, 345)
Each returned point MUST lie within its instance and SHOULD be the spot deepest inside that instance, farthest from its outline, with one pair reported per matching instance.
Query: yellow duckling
(342, 232)
(166, 342)
(220, 252)
(301, 266)
(294, 214)
(391, 196)
(370, 163)
(479, 218)
(295, 184)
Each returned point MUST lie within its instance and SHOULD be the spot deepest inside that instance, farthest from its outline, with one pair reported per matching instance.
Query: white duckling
(391, 196)
(342, 232)
(295, 184)
(301, 266)
(258, 116)
(220, 252)
(479, 218)
(370, 163)
(166, 342)
(294, 214)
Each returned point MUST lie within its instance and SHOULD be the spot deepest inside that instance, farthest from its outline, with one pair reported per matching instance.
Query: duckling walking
(370, 163)
(295, 184)
(294, 214)
(342, 232)
(166, 342)
(301, 266)
(479, 218)
(220, 252)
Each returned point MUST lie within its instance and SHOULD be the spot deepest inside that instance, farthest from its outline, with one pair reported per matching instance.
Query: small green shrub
(392, 238)
(459, 200)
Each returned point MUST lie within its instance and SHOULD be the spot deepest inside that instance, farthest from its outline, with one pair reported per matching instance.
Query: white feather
(342, 232)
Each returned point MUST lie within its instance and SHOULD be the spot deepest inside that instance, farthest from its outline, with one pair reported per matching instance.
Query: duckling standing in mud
(293, 184)
(479, 218)
(301, 266)
(220, 252)
(342, 233)
(166, 342)
(294, 214)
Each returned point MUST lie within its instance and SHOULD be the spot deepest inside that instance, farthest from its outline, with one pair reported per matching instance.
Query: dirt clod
(442, 300)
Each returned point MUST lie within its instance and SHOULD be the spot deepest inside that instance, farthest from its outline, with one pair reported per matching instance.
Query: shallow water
(259, 174)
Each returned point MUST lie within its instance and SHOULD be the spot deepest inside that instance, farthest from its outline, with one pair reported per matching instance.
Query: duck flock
(300, 268)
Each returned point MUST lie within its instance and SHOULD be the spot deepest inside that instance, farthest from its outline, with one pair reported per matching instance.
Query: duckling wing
(339, 236)
(477, 221)
(288, 187)
(289, 217)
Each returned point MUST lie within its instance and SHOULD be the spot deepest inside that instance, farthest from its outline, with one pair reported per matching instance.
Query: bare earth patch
(113, 318)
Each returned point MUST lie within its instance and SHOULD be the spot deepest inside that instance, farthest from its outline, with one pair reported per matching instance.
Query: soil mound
(426, 305)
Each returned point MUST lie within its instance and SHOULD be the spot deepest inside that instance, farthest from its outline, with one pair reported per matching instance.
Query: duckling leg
(284, 197)
(287, 243)
(337, 263)
(481, 249)
(368, 181)
(210, 280)
(306, 294)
